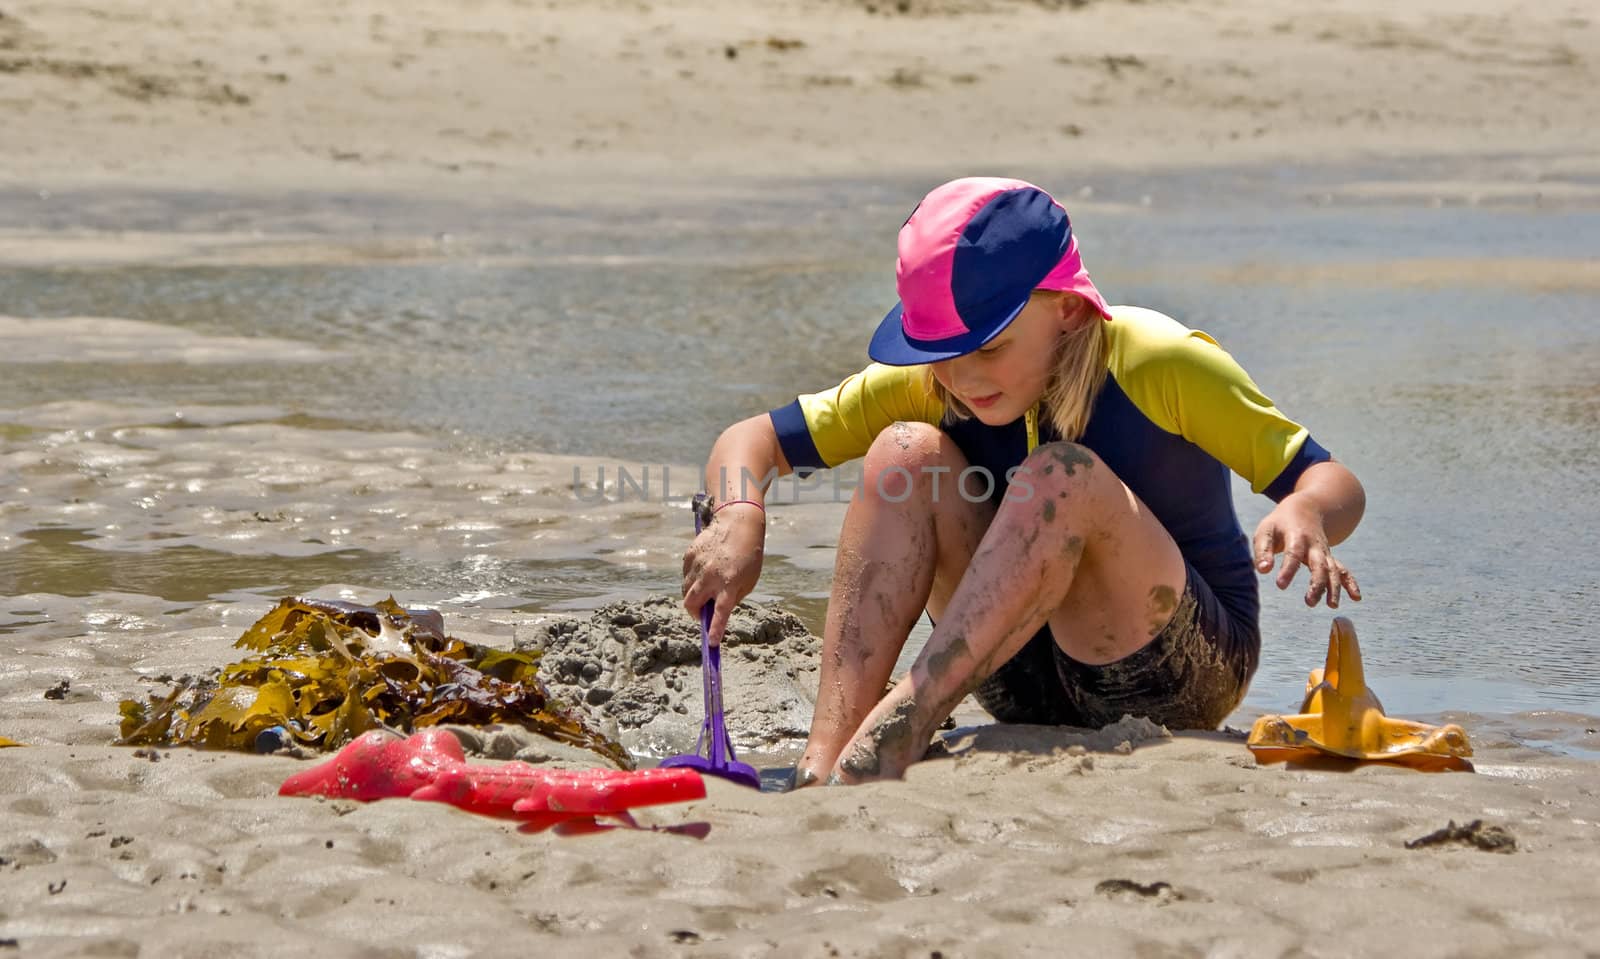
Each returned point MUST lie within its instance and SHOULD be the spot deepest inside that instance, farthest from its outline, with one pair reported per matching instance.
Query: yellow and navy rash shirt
(1176, 413)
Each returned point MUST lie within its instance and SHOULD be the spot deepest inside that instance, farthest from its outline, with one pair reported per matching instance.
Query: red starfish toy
(430, 766)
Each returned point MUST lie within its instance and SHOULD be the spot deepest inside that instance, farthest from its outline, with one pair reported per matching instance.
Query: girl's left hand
(1295, 529)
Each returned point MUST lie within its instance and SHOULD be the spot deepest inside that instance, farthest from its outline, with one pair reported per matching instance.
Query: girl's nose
(959, 373)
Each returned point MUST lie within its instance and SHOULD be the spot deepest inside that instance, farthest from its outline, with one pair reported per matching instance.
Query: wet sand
(1003, 851)
(1128, 840)
(141, 539)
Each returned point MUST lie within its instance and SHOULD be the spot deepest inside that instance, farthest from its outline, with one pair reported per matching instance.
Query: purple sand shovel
(719, 759)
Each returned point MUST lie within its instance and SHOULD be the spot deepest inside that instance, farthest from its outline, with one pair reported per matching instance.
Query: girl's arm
(1323, 511)
(744, 462)
(724, 561)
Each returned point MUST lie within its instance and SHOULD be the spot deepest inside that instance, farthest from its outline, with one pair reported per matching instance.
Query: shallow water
(372, 392)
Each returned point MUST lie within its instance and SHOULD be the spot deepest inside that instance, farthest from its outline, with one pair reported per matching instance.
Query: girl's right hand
(724, 563)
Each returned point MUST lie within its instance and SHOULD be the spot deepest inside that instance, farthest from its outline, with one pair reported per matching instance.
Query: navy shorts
(1190, 676)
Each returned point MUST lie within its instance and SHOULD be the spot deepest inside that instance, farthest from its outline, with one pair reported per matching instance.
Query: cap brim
(891, 347)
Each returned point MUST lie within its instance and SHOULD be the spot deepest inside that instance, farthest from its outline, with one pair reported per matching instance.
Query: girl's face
(1004, 379)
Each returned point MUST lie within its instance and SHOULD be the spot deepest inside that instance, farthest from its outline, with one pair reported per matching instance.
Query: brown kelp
(324, 672)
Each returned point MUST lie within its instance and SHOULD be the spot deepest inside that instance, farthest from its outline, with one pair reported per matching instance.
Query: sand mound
(635, 666)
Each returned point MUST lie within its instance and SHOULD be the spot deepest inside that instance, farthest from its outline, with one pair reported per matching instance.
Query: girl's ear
(1075, 311)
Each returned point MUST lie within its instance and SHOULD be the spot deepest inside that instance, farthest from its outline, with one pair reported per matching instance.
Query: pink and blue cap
(970, 255)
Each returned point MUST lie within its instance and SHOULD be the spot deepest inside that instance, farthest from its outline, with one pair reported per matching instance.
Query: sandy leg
(1066, 514)
(907, 538)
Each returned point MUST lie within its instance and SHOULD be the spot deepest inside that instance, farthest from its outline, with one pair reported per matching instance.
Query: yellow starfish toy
(1342, 717)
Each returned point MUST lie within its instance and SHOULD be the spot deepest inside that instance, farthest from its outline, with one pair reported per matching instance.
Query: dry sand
(581, 100)
(1024, 840)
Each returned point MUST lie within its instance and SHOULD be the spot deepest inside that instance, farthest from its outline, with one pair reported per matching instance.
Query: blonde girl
(1046, 476)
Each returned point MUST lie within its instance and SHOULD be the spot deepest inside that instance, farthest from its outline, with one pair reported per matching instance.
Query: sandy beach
(588, 102)
(1126, 840)
(140, 538)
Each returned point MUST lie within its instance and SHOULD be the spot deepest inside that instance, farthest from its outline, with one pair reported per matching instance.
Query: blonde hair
(1080, 371)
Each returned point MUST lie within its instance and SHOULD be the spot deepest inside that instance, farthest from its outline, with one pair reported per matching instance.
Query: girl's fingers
(695, 595)
(719, 618)
(1293, 558)
(1266, 540)
(1317, 563)
(1329, 577)
(692, 568)
(707, 590)
(1351, 586)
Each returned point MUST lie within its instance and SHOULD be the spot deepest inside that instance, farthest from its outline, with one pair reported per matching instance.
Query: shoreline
(317, 207)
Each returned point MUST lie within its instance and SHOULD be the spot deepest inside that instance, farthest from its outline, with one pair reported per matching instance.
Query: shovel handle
(720, 752)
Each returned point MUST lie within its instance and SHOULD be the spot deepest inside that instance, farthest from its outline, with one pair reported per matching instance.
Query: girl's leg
(1072, 546)
(908, 535)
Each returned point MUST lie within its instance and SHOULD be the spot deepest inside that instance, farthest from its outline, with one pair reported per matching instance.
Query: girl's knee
(909, 456)
(909, 446)
(1060, 467)
(1062, 479)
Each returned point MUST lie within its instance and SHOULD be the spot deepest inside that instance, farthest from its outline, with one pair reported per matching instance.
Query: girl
(1048, 477)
